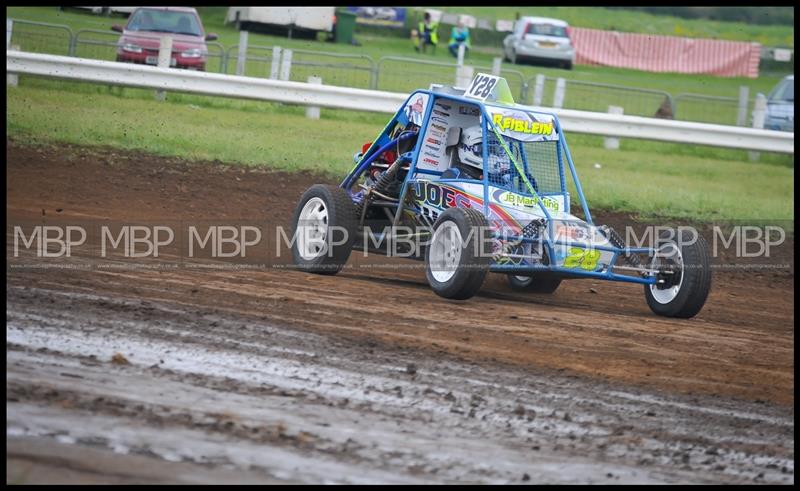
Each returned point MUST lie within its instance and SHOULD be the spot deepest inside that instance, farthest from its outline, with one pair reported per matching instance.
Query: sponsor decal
(446, 107)
(437, 149)
(441, 113)
(416, 108)
(430, 196)
(521, 201)
(430, 161)
(431, 154)
(470, 111)
(434, 141)
(440, 197)
(582, 258)
(521, 126)
(439, 127)
(439, 120)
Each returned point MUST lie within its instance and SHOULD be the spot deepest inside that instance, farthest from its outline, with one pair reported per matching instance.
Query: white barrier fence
(214, 84)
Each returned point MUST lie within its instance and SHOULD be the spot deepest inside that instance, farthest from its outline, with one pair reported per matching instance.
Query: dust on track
(589, 339)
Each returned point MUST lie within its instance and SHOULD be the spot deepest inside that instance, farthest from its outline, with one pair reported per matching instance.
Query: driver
(470, 156)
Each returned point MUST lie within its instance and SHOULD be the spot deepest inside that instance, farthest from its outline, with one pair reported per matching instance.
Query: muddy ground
(177, 369)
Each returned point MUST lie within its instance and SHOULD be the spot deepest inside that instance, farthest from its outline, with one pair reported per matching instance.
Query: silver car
(780, 106)
(540, 39)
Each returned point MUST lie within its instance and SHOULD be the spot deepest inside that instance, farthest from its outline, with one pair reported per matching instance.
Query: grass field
(401, 77)
(645, 177)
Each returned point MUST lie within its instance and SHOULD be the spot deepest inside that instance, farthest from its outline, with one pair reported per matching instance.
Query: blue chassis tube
(549, 241)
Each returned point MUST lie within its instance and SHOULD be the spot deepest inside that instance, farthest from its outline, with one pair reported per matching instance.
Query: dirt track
(366, 376)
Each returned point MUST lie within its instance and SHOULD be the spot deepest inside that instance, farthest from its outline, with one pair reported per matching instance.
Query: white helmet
(470, 147)
(470, 151)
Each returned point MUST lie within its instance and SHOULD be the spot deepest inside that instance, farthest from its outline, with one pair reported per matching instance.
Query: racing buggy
(470, 182)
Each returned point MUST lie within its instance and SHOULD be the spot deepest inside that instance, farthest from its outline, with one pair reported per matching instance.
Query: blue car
(780, 106)
(472, 183)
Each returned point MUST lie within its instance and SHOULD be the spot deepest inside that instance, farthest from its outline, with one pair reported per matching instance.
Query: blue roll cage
(384, 142)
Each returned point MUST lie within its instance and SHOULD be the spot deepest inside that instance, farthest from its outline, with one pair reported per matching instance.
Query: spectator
(426, 35)
(458, 36)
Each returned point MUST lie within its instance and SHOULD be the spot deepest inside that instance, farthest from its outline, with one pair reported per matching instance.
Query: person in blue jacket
(458, 36)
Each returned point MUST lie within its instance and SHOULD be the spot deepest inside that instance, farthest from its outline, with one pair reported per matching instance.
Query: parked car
(141, 37)
(540, 39)
(780, 106)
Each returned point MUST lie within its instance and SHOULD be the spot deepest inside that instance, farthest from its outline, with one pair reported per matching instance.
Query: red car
(141, 37)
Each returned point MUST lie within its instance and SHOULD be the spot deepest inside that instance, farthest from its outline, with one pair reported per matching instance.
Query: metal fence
(346, 70)
(711, 109)
(257, 61)
(399, 74)
(591, 96)
(598, 97)
(41, 37)
(391, 73)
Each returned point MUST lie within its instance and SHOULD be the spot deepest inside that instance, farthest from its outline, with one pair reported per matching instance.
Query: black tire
(535, 284)
(337, 243)
(473, 265)
(694, 281)
(568, 65)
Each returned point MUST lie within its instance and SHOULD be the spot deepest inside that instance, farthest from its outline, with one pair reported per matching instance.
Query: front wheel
(684, 275)
(457, 258)
(324, 229)
(535, 284)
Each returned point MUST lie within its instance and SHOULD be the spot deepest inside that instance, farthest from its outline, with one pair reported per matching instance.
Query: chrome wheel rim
(312, 229)
(668, 253)
(445, 253)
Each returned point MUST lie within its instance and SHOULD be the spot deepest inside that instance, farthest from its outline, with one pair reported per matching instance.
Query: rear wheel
(684, 278)
(324, 229)
(535, 284)
(457, 258)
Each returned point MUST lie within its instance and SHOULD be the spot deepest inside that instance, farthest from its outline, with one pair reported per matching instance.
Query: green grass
(649, 178)
(396, 76)
(641, 22)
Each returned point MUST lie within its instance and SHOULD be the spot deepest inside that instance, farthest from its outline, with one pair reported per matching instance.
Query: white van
(302, 21)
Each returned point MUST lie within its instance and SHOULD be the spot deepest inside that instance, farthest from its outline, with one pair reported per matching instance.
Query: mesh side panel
(538, 160)
(542, 159)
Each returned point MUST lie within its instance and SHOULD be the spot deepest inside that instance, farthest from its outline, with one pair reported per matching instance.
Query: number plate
(153, 60)
(481, 86)
(547, 44)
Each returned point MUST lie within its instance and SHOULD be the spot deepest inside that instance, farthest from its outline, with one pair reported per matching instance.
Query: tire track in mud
(291, 382)
(690, 356)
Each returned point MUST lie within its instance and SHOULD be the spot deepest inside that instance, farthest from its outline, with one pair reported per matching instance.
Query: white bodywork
(566, 227)
(312, 18)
